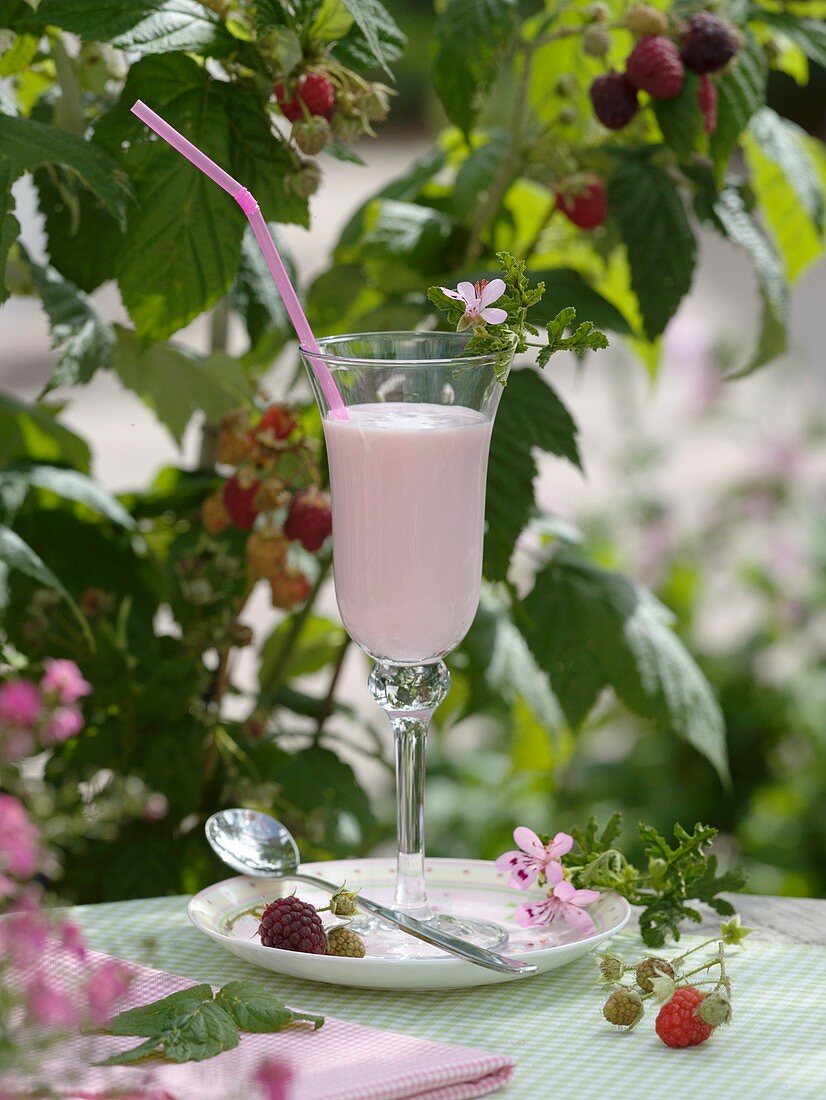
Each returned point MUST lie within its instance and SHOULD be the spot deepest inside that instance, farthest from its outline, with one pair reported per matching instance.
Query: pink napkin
(341, 1061)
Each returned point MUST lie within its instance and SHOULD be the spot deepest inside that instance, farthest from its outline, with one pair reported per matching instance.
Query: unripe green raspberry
(715, 1008)
(303, 181)
(343, 902)
(644, 20)
(312, 134)
(610, 966)
(650, 968)
(565, 86)
(599, 12)
(624, 1008)
(596, 40)
(344, 942)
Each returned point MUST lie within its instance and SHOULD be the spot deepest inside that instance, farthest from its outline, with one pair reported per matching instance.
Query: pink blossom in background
(20, 703)
(563, 901)
(477, 299)
(7, 888)
(273, 1079)
(71, 938)
(62, 724)
(49, 1007)
(23, 935)
(19, 850)
(17, 744)
(534, 856)
(65, 679)
(157, 807)
(104, 989)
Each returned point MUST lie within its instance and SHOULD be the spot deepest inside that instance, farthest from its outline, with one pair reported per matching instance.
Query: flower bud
(715, 1008)
(312, 134)
(643, 20)
(303, 181)
(596, 40)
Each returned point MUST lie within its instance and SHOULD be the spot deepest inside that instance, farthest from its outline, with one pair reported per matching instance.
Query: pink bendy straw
(262, 234)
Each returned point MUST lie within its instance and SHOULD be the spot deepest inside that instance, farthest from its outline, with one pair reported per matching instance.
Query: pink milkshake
(408, 489)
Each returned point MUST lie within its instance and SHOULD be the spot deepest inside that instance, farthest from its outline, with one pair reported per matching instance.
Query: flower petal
(494, 316)
(468, 293)
(561, 844)
(451, 293)
(492, 291)
(553, 873)
(538, 912)
(528, 841)
(585, 897)
(523, 869)
(577, 918)
(564, 891)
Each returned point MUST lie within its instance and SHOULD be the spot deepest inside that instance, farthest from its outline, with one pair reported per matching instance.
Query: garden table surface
(552, 1026)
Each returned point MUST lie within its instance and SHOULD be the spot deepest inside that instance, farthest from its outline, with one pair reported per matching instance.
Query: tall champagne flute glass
(408, 469)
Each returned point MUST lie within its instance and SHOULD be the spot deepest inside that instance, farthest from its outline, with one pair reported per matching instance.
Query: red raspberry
(586, 206)
(678, 1024)
(278, 419)
(654, 66)
(709, 43)
(614, 99)
(315, 91)
(309, 520)
(239, 499)
(293, 925)
(707, 100)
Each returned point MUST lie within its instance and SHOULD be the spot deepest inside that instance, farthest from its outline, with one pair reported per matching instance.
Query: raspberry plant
(555, 154)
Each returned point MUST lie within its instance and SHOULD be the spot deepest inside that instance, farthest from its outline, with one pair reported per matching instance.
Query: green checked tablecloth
(552, 1026)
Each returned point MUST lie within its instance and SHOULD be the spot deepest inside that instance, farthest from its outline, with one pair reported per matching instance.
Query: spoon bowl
(252, 843)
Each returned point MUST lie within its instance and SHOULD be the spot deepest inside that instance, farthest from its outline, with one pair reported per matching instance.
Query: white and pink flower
(563, 902)
(478, 298)
(63, 678)
(533, 858)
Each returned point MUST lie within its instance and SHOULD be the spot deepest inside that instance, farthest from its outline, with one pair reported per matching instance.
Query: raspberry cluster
(325, 102)
(272, 494)
(291, 924)
(658, 62)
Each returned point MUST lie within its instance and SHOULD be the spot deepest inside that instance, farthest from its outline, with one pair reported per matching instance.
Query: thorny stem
(512, 160)
(326, 707)
(218, 688)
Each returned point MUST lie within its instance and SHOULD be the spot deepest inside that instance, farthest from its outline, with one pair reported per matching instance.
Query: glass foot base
(481, 932)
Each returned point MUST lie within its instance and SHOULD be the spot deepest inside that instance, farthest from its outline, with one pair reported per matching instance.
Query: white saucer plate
(463, 887)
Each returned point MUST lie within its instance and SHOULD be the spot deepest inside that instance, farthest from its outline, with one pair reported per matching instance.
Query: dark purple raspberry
(654, 66)
(709, 43)
(614, 100)
(293, 925)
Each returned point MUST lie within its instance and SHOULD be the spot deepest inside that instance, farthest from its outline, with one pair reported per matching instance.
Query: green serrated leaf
(255, 296)
(209, 1031)
(741, 92)
(591, 629)
(662, 252)
(151, 1019)
(681, 121)
(468, 38)
(255, 1008)
(375, 38)
(141, 26)
(135, 1054)
(738, 225)
(530, 415)
(82, 338)
(183, 240)
(9, 225)
(476, 173)
(176, 383)
(784, 144)
(70, 485)
(30, 432)
(15, 553)
(808, 34)
(26, 145)
(405, 233)
(563, 284)
(320, 641)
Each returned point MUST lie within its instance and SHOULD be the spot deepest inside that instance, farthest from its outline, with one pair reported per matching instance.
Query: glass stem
(410, 694)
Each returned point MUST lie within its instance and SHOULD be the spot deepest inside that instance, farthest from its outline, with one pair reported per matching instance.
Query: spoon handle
(462, 949)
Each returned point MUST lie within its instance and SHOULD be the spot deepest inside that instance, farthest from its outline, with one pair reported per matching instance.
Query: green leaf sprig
(674, 874)
(192, 1025)
(515, 335)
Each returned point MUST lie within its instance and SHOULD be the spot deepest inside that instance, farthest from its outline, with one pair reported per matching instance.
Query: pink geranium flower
(20, 703)
(48, 1006)
(534, 857)
(19, 851)
(71, 939)
(63, 723)
(273, 1079)
(477, 299)
(104, 989)
(563, 901)
(64, 678)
